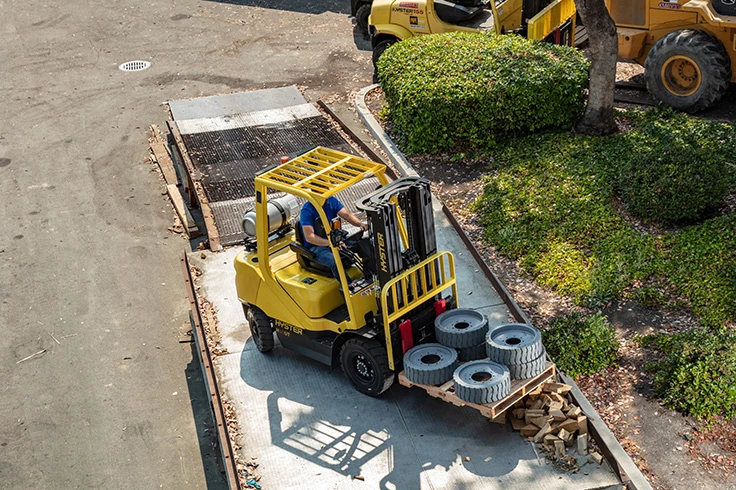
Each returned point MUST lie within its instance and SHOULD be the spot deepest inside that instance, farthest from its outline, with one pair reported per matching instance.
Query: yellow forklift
(401, 289)
(391, 21)
(687, 47)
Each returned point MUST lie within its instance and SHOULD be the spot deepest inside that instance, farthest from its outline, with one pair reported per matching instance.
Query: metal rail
(205, 361)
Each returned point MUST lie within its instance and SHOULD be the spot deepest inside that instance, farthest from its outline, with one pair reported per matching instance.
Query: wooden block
(596, 456)
(557, 415)
(536, 391)
(569, 425)
(559, 449)
(582, 424)
(529, 430)
(582, 443)
(518, 404)
(542, 432)
(545, 399)
(556, 397)
(518, 413)
(540, 421)
(554, 405)
(538, 403)
(556, 388)
(533, 414)
(574, 411)
(518, 424)
(182, 211)
(529, 401)
(564, 435)
(549, 440)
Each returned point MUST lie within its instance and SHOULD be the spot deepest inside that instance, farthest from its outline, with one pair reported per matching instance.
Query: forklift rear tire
(260, 328)
(365, 364)
(361, 17)
(688, 70)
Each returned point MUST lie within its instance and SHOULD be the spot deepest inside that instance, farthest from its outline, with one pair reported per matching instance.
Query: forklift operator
(320, 245)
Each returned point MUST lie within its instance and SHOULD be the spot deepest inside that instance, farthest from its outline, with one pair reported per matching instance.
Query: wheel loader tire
(725, 7)
(430, 364)
(472, 353)
(528, 369)
(378, 50)
(260, 328)
(688, 70)
(361, 17)
(482, 381)
(514, 343)
(365, 364)
(460, 328)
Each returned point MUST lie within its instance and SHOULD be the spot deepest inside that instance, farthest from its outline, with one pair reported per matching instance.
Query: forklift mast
(400, 243)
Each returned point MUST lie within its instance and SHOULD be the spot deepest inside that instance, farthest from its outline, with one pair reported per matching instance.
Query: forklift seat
(305, 256)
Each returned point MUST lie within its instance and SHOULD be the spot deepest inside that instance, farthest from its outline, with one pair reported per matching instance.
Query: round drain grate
(137, 65)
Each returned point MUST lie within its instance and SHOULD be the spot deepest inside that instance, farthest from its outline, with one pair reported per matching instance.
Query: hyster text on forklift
(404, 281)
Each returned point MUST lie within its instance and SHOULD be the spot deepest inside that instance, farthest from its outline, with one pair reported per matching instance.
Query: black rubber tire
(460, 328)
(514, 343)
(361, 17)
(528, 369)
(725, 7)
(430, 364)
(482, 382)
(365, 364)
(472, 353)
(706, 52)
(378, 50)
(260, 328)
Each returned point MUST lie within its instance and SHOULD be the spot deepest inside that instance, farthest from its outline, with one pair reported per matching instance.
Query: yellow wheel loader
(403, 282)
(391, 21)
(687, 47)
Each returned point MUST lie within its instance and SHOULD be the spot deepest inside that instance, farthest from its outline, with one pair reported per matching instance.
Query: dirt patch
(673, 451)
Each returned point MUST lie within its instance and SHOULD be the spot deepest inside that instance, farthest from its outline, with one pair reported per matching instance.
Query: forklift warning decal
(409, 5)
(287, 328)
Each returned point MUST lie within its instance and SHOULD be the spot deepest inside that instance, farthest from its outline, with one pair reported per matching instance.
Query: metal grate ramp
(231, 138)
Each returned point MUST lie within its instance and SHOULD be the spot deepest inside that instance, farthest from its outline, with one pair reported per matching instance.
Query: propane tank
(280, 212)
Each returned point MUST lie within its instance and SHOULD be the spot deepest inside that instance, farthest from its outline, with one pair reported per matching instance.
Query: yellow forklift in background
(395, 20)
(364, 329)
(687, 47)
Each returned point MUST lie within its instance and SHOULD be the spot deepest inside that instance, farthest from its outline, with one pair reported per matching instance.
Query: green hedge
(581, 345)
(457, 88)
(697, 374)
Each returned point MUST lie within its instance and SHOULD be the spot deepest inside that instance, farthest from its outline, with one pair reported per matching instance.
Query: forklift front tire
(260, 328)
(365, 364)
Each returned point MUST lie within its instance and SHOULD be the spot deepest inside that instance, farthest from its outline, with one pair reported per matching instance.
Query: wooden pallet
(519, 389)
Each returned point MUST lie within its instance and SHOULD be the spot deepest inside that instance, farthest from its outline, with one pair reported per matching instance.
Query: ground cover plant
(474, 88)
(581, 345)
(553, 202)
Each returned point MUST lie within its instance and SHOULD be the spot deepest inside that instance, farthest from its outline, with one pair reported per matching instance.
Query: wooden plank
(519, 389)
(209, 220)
(162, 157)
(182, 211)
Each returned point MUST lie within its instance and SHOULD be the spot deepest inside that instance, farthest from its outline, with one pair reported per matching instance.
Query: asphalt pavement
(95, 389)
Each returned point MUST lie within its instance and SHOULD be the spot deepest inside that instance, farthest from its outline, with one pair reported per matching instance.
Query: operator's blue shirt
(309, 216)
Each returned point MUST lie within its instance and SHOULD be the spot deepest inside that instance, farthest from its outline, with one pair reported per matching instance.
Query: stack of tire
(514, 351)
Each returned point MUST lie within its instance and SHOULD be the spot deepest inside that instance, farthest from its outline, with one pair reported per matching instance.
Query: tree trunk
(598, 118)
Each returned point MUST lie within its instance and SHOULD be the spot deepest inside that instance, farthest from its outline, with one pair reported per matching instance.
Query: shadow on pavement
(204, 425)
(313, 7)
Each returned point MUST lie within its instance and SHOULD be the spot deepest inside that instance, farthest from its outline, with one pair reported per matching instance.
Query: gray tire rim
(460, 328)
(430, 364)
(514, 343)
(482, 381)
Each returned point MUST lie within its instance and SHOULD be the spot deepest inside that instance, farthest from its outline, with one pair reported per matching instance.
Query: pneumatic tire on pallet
(514, 343)
(482, 382)
(460, 328)
(472, 353)
(528, 369)
(430, 364)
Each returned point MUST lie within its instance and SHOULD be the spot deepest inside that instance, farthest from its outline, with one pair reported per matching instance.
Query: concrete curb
(627, 470)
(397, 158)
